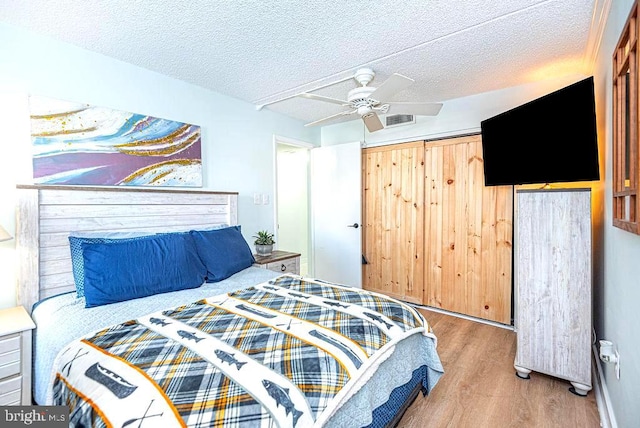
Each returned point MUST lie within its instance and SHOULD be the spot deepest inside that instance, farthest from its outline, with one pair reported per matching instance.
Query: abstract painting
(87, 145)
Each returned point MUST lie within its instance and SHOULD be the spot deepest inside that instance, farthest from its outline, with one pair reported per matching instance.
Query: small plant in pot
(264, 243)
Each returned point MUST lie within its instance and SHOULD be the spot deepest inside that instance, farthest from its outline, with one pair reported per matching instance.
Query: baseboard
(607, 417)
(466, 317)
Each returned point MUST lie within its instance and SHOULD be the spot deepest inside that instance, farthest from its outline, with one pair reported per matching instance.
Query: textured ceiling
(260, 51)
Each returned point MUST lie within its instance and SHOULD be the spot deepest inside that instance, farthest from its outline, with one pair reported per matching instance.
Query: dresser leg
(522, 373)
(580, 389)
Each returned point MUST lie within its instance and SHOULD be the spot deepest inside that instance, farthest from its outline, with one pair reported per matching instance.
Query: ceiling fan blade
(394, 84)
(420, 109)
(372, 122)
(323, 98)
(333, 116)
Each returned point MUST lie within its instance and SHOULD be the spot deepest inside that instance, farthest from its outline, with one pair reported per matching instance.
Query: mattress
(62, 319)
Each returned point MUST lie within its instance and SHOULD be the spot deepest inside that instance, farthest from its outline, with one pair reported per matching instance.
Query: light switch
(257, 199)
(265, 199)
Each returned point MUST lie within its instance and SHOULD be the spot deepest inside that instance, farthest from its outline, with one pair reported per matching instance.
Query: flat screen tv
(548, 140)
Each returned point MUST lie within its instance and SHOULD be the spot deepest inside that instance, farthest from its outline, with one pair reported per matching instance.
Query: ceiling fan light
(365, 110)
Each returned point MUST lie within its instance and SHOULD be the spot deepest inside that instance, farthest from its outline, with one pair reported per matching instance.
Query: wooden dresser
(15, 356)
(279, 261)
(552, 267)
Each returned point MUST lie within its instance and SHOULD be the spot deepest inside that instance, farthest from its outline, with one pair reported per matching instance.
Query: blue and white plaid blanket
(285, 353)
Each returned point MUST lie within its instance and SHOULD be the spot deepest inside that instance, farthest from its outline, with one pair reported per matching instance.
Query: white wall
(617, 292)
(237, 148)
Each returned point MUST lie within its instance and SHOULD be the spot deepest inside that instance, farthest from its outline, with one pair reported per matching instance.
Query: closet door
(393, 219)
(468, 233)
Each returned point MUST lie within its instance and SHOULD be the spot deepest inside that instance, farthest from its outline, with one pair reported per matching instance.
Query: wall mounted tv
(548, 140)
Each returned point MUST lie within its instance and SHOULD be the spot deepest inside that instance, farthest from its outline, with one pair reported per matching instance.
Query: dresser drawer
(10, 391)
(11, 399)
(9, 369)
(9, 355)
(9, 343)
(283, 266)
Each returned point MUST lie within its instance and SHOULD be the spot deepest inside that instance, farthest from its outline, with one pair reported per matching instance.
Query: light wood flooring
(480, 389)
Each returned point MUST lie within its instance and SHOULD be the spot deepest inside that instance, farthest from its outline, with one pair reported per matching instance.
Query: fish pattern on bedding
(287, 352)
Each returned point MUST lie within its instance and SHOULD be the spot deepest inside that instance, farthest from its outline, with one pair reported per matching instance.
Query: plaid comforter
(284, 353)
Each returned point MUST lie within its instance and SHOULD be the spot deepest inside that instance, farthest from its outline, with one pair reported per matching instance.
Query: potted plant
(264, 243)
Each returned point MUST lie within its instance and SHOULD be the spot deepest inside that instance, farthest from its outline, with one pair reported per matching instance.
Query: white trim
(274, 201)
(466, 317)
(603, 400)
(426, 137)
(260, 106)
(292, 142)
(601, 9)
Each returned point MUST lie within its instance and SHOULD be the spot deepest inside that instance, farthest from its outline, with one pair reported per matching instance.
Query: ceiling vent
(399, 119)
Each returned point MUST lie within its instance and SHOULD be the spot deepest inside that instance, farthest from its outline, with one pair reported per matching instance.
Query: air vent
(399, 119)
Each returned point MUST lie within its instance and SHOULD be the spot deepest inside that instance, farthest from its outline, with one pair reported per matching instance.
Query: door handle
(354, 225)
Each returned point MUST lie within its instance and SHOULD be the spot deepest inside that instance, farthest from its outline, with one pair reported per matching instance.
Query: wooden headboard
(47, 215)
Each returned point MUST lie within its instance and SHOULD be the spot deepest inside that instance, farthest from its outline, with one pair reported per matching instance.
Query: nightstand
(279, 261)
(15, 356)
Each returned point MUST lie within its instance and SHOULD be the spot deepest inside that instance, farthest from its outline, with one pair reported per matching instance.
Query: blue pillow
(223, 251)
(128, 269)
(77, 262)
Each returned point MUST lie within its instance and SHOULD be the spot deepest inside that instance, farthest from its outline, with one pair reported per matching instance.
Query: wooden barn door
(468, 233)
(393, 219)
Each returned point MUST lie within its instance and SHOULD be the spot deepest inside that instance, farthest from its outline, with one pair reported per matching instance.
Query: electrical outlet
(609, 354)
(257, 199)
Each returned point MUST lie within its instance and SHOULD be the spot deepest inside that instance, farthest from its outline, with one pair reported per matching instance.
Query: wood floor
(480, 388)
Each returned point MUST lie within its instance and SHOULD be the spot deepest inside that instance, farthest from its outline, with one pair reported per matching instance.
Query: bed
(254, 348)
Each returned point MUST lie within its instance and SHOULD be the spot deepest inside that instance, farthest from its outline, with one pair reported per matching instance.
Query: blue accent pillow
(75, 245)
(128, 269)
(223, 251)
(77, 262)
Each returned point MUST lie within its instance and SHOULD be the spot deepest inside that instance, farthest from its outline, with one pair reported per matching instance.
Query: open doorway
(292, 199)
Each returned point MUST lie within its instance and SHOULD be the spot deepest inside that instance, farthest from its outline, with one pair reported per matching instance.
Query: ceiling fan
(367, 101)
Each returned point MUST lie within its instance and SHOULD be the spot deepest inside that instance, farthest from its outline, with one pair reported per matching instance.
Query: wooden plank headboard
(47, 215)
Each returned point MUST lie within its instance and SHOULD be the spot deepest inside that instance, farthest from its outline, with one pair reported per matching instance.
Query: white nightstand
(15, 356)
(279, 261)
